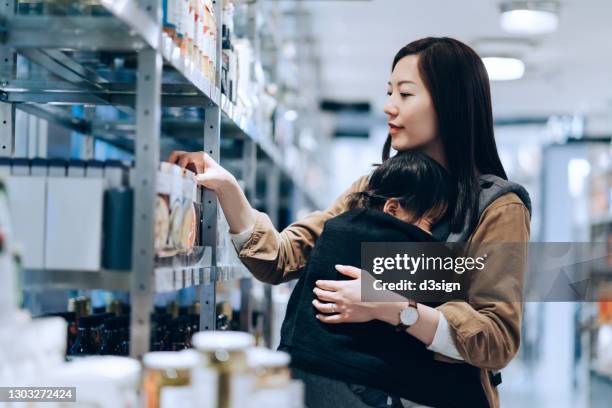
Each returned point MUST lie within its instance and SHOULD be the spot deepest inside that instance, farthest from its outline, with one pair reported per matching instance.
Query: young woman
(439, 103)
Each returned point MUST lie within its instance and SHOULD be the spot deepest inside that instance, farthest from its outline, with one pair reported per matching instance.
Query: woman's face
(410, 110)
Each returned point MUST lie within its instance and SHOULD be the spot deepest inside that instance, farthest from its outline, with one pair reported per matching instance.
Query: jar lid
(263, 357)
(222, 340)
(166, 360)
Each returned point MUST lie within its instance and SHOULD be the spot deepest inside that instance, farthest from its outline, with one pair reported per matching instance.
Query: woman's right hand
(210, 173)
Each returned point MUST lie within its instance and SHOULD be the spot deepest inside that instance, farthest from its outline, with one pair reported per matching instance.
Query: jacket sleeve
(275, 257)
(487, 329)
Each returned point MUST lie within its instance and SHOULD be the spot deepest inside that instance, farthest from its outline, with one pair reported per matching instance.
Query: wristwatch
(408, 316)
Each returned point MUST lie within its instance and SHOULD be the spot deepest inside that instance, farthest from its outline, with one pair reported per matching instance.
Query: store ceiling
(568, 72)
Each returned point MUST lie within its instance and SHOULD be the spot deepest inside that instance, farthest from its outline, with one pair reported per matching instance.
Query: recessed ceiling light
(504, 68)
(529, 17)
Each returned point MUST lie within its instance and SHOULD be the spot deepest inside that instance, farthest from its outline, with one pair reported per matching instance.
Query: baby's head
(410, 186)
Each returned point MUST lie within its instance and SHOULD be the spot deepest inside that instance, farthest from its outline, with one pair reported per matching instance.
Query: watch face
(409, 316)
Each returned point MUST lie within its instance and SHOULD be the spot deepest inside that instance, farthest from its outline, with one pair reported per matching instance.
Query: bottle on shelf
(85, 343)
(113, 336)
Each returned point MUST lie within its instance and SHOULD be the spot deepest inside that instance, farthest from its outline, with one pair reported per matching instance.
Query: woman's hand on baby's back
(340, 301)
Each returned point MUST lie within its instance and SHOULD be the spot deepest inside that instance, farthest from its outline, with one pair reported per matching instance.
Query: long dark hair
(420, 184)
(457, 80)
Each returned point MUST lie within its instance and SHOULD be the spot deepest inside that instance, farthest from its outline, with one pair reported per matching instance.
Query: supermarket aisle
(119, 254)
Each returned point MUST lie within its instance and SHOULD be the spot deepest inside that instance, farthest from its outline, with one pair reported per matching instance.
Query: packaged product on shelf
(190, 215)
(169, 17)
(118, 209)
(94, 169)
(81, 306)
(76, 168)
(225, 353)
(115, 336)
(180, 333)
(168, 378)
(190, 32)
(116, 307)
(38, 167)
(194, 316)
(159, 331)
(57, 167)
(71, 245)
(85, 343)
(245, 61)
(228, 24)
(27, 203)
(176, 207)
(162, 206)
(225, 315)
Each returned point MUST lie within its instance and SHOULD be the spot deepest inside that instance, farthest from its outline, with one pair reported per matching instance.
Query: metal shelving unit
(121, 59)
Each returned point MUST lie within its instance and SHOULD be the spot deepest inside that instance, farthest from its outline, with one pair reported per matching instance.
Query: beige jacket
(486, 333)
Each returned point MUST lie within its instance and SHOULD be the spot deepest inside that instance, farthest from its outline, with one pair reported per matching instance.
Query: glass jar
(226, 355)
(272, 377)
(168, 378)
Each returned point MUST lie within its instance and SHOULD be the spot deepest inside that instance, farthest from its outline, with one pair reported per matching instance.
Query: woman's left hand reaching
(340, 301)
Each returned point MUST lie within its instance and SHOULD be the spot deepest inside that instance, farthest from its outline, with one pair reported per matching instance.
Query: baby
(404, 198)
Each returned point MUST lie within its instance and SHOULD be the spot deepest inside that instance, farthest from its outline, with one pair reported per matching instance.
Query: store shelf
(73, 32)
(172, 55)
(113, 59)
(40, 279)
(165, 279)
(136, 18)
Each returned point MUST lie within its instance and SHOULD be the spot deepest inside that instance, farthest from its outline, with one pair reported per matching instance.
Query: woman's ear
(391, 206)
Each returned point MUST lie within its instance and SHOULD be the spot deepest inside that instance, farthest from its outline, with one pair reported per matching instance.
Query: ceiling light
(529, 17)
(503, 68)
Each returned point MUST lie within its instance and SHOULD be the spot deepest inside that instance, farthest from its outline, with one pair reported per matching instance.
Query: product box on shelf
(27, 197)
(176, 210)
(74, 223)
(73, 215)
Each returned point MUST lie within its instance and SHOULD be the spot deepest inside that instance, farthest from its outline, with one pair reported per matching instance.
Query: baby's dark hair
(420, 184)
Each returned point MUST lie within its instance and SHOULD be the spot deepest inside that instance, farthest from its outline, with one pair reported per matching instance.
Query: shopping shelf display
(223, 369)
(144, 76)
